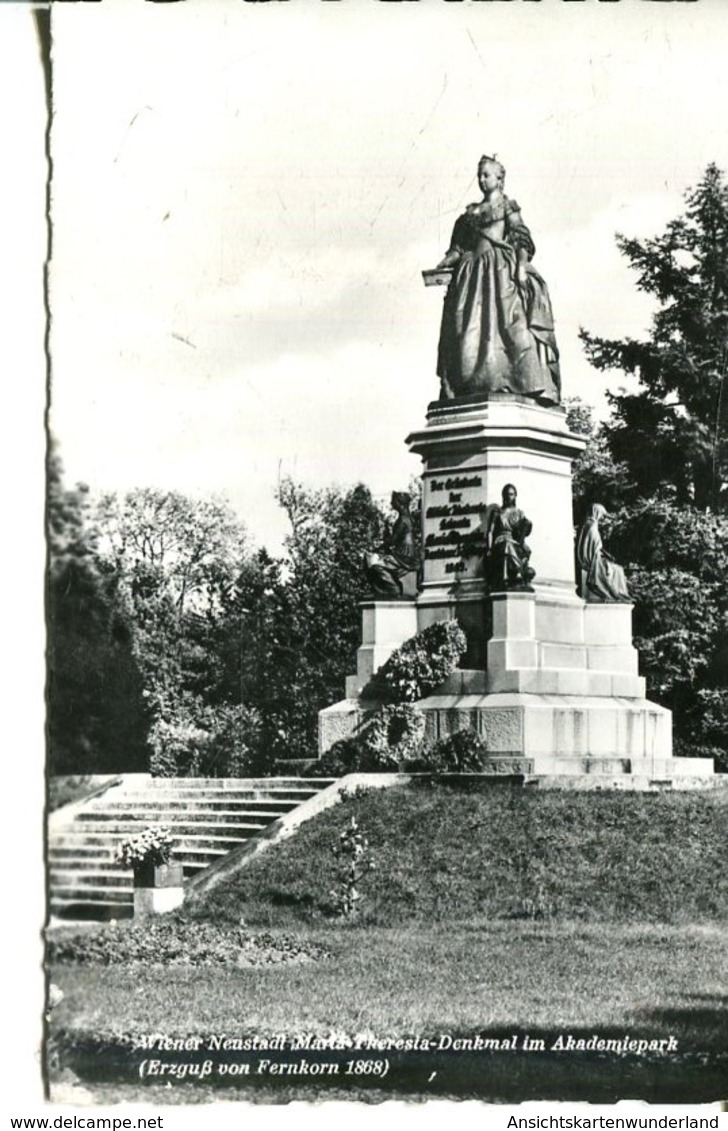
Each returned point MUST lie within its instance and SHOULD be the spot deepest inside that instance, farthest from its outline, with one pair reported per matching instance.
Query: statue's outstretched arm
(452, 257)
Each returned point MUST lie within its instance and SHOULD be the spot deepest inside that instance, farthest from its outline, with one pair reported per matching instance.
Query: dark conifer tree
(672, 433)
(97, 721)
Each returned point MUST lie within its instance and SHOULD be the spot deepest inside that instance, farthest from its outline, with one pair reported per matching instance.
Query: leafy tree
(672, 434)
(97, 720)
(677, 563)
(292, 625)
(661, 465)
(676, 560)
(330, 532)
(204, 741)
(597, 477)
(259, 657)
(174, 561)
(164, 543)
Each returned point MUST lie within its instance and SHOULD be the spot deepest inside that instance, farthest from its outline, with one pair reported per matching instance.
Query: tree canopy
(671, 434)
(233, 652)
(660, 465)
(97, 715)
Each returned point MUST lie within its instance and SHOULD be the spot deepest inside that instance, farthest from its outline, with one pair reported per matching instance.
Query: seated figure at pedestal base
(507, 554)
(601, 580)
(393, 572)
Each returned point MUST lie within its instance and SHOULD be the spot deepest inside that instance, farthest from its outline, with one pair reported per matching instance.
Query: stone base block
(548, 645)
(570, 742)
(385, 626)
(342, 720)
(465, 681)
(607, 624)
(553, 728)
(388, 622)
(354, 686)
(156, 901)
(556, 735)
(565, 681)
(636, 783)
(471, 449)
(695, 768)
(369, 658)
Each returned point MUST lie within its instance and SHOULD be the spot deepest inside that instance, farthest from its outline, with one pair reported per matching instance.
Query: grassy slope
(443, 855)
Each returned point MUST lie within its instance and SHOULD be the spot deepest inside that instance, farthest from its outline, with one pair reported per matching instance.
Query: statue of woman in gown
(497, 332)
(601, 580)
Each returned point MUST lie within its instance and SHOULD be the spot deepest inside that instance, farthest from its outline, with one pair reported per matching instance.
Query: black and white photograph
(385, 433)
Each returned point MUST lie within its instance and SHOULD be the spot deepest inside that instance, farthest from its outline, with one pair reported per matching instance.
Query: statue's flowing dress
(495, 337)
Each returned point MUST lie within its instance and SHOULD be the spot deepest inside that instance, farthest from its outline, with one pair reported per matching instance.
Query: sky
(245, 195)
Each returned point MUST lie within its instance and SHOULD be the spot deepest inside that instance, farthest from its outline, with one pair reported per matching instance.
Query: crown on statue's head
(486, 160)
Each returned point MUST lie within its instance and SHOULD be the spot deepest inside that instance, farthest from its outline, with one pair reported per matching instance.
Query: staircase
(208, 817)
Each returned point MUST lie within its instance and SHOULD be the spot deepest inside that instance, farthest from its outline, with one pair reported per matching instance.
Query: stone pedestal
(470, 451)
(550, 682)
(561, 646)
(385, 626)
(156, 901)
(157, 889)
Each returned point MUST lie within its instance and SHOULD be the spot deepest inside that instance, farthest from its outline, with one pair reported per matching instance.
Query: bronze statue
(601, 580)
(497, 331)
(394, 572)
(507, 554)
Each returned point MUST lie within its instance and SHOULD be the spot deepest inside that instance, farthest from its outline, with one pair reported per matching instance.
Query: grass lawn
(493, 979)
(495, 913)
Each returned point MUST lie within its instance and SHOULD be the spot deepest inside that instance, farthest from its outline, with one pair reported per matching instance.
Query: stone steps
(104, 839)
(224, 786)
(159, 796)
(99, 909)
(83, 857)
(208, 818)
(99, 880)
(177, 819)
(178, 828)
(229, 805)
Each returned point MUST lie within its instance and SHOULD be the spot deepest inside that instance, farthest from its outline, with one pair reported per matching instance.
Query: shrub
(351, 852)
(460, 753)
(420, 665)
(676, 559)
(342, 758)
(390, 737)
(202, 741)
(175, 749)
(173, 942)
(234, 739)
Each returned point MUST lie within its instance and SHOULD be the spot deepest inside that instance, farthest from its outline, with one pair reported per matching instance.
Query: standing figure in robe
(497, 332)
